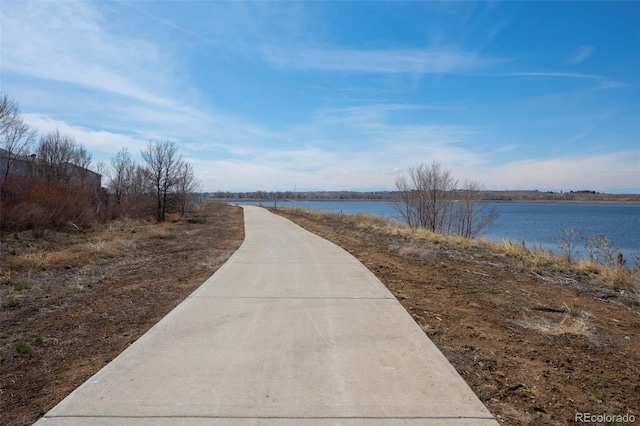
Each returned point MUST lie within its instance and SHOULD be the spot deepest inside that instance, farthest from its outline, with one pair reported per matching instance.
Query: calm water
(537, 225)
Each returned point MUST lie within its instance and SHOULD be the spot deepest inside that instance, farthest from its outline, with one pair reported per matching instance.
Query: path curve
(291, 330)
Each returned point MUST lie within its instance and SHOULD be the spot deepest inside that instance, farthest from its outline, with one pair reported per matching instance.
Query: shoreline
(486, 196)
(372, 200)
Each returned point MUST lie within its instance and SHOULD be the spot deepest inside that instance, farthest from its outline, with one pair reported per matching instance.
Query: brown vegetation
(70, 301)
(33, 203)
(55, 188)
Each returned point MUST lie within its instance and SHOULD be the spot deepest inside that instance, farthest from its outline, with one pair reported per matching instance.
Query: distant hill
(571, 196)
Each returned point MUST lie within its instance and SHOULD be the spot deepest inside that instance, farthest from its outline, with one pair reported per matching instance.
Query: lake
(536, 224)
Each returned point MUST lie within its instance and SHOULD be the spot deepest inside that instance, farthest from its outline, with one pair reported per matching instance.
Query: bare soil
(72, 301)
(536, 348)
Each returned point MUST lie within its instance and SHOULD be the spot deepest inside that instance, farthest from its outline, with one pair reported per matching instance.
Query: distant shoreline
(563, 201)
(526, 196)
(376, 200)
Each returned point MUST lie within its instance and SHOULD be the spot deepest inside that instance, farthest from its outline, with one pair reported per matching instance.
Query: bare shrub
(426, 198)
(470, 218)
(601, 249)
(50, 189)
(568, 241)
(32, 203)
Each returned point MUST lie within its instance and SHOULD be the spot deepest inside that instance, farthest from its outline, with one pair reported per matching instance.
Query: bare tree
(9, 113)
(163, 164)
(426, 197)
(139, 194)
(61, 159)
(406, 204)
(186, 185)
(121, 172)
(16, 137)
(471, 218)
(140, 181)
(439, 187)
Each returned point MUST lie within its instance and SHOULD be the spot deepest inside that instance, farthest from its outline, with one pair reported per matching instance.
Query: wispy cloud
(553, 74)
(413, 61)
(100, 141)
(111, 78)
(506, 148)
(341, 148)
(603, 82)
(313, 162)
(581, 55)
(65, 42)
(604, 172)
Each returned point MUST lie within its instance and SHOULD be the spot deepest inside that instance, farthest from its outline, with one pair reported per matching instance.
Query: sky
(340, 95)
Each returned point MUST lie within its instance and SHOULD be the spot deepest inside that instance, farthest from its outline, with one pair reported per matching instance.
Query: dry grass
(162, 231)
(110, 241)
(390, 228)
(534, 260)
(105, 244)
(172, 217)
(5, 276)
(587, 267)
(73, 256)
(621, 278)
(568, 324)
(541, 261)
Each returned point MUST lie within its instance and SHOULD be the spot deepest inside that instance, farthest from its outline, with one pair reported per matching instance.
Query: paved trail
(291, 330)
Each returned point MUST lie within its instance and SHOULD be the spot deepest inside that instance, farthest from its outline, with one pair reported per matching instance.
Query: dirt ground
(72, 301)
(536, 349)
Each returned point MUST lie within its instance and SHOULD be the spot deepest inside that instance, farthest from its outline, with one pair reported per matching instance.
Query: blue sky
(340, 95)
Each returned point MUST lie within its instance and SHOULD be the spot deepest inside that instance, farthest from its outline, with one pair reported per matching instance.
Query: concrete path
(291, 330)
